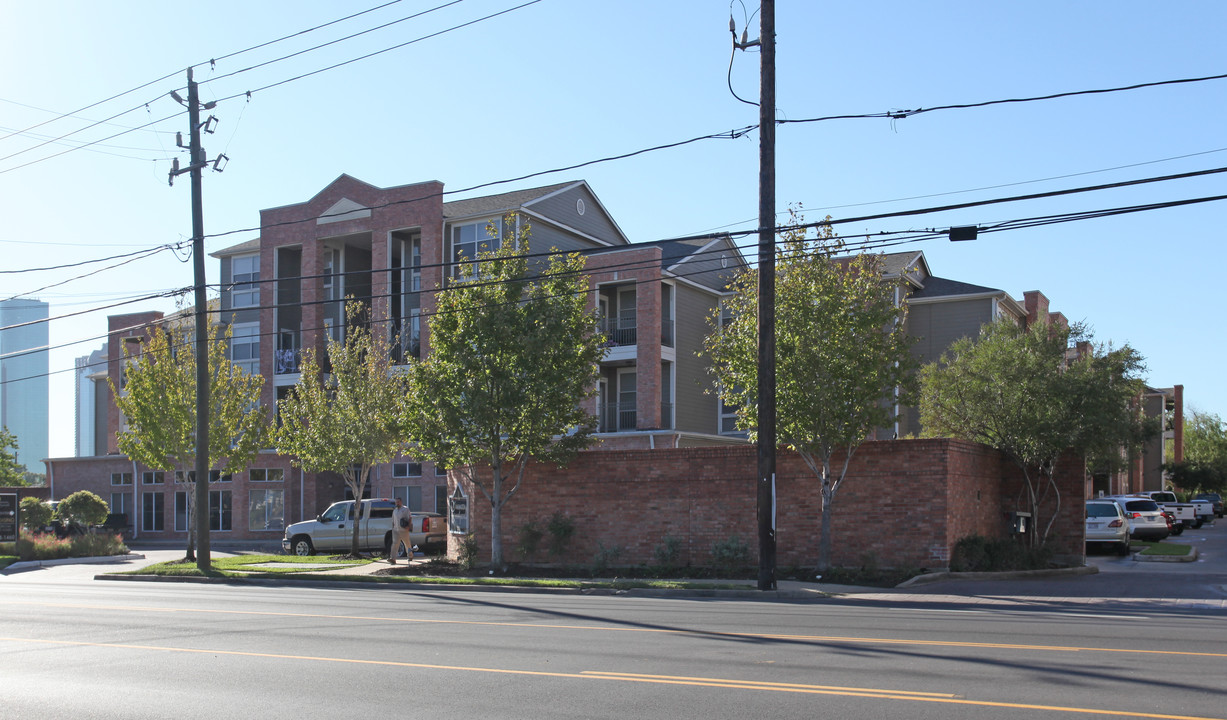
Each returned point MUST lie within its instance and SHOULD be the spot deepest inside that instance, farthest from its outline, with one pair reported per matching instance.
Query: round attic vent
(579, 206)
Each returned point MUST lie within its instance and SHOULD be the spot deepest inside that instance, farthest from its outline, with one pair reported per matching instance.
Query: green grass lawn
(1165, 548)
(245, 566)
(6, 560)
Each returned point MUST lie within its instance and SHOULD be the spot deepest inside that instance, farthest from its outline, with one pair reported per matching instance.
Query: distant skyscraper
(91, 407)
(24, 397)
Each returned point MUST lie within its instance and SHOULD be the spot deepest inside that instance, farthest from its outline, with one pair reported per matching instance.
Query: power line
(247, 93)
(149, 253)
(168, 76)
(920, 236)
(900, 114)
(987, 187)
(333, 42)
(81, 262)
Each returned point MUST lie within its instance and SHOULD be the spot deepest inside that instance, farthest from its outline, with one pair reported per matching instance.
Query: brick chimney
(1036, 305)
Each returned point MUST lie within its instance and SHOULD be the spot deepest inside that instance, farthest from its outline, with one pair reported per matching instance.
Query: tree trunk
(191, 526)
(496, 519)
(824, 536)
(356, 487)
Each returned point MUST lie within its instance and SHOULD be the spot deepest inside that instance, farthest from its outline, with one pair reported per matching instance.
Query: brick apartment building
(391, 248)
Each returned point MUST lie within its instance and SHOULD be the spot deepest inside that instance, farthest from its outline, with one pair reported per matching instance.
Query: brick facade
(904, 503)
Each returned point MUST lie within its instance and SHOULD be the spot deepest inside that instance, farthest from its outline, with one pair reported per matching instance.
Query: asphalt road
(74, 647)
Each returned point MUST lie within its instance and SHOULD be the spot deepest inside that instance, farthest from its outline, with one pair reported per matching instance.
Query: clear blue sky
(562, 82)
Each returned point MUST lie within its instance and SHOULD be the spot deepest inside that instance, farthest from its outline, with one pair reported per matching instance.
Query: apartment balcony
(286, 362)
(624, 417)
(619, 332)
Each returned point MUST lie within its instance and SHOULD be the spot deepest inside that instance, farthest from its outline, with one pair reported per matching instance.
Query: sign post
(8, 517)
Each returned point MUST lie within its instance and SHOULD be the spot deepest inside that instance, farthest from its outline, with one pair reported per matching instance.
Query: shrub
(35, 514)
(665, 554)
(46, 546)
(82, 508)
(731, 552)
(605, 557)
(976, 553)
(97, 545)
(562, 529)
(529, 539)
(468, 552)
(43, 546)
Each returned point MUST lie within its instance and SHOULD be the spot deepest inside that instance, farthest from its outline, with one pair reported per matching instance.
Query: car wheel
(302, 545)
(1123, 549)
(1177, 529)
(1198, 523)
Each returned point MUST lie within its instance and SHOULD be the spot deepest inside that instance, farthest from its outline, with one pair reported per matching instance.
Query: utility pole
(196, 164)
(765, 485)
(766, 300)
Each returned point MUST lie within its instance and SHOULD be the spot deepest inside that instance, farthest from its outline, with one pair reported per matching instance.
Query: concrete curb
(1009, 575)
(1190, 557)
(748, 593)
(100, 560)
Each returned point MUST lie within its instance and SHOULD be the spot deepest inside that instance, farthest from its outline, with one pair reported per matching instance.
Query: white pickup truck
(1191, 514)
(333, 530)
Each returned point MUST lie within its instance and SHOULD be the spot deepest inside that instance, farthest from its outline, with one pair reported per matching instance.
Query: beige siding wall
(936, 326)
(562, 208)
(696, 411)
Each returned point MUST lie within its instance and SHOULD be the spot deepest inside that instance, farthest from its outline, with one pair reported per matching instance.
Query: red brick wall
(904, 503)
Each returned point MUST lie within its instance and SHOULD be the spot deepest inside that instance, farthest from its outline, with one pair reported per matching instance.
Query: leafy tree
(1102, 389)
(82, 508)
(35, 514)
(841, 356)
(1205, 454)
(350, 420)
(1017, 390)
(12, 473)
(158, 402)
(512, 357)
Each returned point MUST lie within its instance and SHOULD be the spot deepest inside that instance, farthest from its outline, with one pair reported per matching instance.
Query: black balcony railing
(616, 417)
(286, 361)
(619, 332)
(624, 417)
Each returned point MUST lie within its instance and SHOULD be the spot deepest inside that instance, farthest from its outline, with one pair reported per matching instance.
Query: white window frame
(480, 242)
(260, 521)
(158, 500)
(245, 281)
(249, 333)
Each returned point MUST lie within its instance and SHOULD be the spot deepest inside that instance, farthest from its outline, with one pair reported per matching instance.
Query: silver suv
(1146, 520)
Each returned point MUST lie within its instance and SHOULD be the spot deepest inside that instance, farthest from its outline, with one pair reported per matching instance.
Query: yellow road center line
(902, 695)
(663, 631)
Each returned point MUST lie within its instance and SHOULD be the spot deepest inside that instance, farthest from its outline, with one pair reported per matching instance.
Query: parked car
(1106, 523)
(333, 530)
(1215, 500)
(1146, 520)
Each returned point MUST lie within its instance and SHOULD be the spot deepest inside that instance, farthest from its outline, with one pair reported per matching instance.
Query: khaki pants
(399, 536)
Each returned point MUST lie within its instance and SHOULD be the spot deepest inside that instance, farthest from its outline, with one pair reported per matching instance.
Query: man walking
(402, 523)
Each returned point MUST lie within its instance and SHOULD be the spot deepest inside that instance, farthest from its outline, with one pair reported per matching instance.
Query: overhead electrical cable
(249, 93)
(331, 42)
(61, 116)
(866, 245)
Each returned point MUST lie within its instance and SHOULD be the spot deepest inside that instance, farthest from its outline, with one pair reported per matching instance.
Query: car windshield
(1141, 505)
(1163, 497)
(1101, 510)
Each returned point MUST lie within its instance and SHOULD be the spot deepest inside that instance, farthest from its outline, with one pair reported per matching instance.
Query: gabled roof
(252, 245)
(502, 202)
(945, 287)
